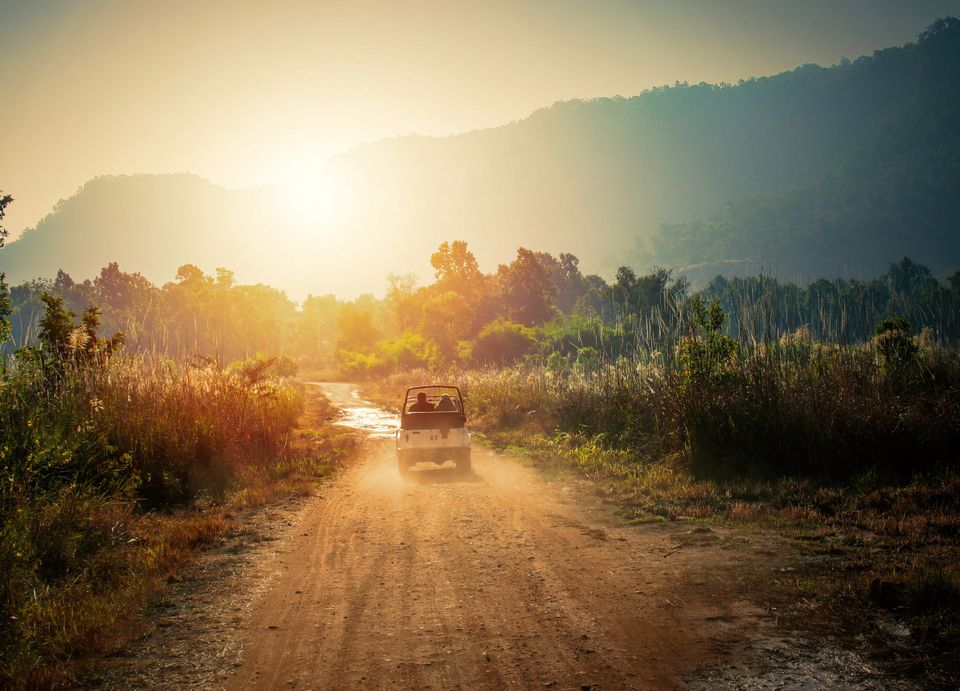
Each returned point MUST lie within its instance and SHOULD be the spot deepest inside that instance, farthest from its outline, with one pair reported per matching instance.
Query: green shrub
(360, 365)
(707, 356)
(895, 345)
(410, 351)
(503, 342)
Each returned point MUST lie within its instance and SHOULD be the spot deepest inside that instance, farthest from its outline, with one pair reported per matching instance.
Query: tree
(252, 319)
(635, 293)
(526, 289)
(652, 289)
(456, 268)
(225, 279)
(190, 275)
(357, 332)
(5, 200)
(909, 278)
(121, 291)
(75, 295)
(316, 326)
(6, 308)
(447, 318)
(55, 327)
(624, 289)
(594, 297)
(63, 284)
(90, 321)
(400, 295)
(954, 281)
(569, 282)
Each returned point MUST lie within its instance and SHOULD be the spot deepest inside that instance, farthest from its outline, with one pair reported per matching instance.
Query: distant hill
(898, 196)
(145, 221)
(153, 224)
(600, 178)
(817, 170)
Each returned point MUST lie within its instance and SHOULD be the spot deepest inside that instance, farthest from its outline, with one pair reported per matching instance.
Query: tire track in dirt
(497, 580)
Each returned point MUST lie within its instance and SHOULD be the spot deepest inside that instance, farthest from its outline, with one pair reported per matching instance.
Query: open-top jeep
(433, 428)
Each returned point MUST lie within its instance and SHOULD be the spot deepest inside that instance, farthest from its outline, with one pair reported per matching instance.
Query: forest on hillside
(901, 186)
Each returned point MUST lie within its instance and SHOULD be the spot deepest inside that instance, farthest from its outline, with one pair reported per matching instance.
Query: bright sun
(310, 197)
(309, 203)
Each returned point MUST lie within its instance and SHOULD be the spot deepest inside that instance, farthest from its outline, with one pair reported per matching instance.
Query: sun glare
(307, 203)
(310, 197)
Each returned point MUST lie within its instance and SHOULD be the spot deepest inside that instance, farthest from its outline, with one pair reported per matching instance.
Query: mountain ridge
(615, 180)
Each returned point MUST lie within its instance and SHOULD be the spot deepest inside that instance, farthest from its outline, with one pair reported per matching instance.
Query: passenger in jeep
(446, 404)
(422, 405)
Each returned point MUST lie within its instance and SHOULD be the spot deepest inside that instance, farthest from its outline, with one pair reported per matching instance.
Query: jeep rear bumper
(433, 455)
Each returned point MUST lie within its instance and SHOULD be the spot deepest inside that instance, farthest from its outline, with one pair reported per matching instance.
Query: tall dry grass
(793, 407)
(96, 455)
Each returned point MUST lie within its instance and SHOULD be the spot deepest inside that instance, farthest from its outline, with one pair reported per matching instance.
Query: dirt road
(497, 580)
(502, 579)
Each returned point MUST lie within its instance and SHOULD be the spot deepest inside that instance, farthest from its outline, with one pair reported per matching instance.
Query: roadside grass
(115, 474)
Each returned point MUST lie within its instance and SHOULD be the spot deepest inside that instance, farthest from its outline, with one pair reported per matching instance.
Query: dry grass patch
(79, 562)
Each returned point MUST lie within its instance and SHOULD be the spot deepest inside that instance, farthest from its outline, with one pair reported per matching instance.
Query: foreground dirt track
(500, 579)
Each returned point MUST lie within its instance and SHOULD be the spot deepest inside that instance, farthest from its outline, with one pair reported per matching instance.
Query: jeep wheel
(463, 464)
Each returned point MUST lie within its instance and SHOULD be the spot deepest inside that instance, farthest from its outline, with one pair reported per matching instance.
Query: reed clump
(789, 408)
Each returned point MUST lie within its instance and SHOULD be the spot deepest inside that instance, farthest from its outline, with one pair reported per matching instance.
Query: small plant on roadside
(895, 345)
(707, 356)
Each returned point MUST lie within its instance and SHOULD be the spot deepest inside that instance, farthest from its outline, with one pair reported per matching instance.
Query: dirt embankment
(499, 579)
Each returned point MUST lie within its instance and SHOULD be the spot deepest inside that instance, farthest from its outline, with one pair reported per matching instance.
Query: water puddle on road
(374, 421)
(357, 413)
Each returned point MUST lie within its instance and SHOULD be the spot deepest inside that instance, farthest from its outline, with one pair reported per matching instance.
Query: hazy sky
(246, 92)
